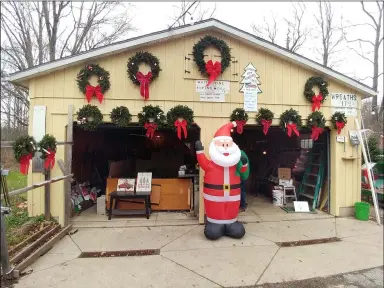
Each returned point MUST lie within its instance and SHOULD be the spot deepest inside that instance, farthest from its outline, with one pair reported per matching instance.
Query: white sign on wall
(250, 88)
(213, 93)
(38, 125)
(346, 103)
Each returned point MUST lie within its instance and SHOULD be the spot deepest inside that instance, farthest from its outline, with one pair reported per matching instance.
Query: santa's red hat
(224, 132)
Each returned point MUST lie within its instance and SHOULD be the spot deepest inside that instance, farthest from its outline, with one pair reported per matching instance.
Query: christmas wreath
(339, 120)
(47, 147)
(290, 120)
(316, 121)
(210, 69)
(310, 95)
(102, 79)
(181, 117)
(151, 118)
(24, 149)
(121, 116)
(240, 117)
(264, 117)
(89, 117)
(139, 78)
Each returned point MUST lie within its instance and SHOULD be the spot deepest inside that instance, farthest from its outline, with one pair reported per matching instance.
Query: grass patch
(16, 180)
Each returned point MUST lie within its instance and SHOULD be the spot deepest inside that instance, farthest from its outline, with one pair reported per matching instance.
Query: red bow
(24, 163)
(151, 127)
(339, 126)
(90, 91)
(144, 83)
(213, 71)
(316, 101)
(240, 125)
(316, 131)
(181, 125)
(292, 127)
(266, 124)
(50, 160)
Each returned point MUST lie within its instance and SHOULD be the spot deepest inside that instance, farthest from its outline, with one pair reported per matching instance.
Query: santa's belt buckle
(226, 187)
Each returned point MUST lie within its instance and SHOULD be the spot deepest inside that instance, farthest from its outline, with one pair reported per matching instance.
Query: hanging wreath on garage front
(339, 120)
(316, 121)
(120, 116)
(310, 95)
(264, 117)
(89, 117)
(213, 70)
(151, 118)
(102, 79)
(240, 117)
(47, 147)
(24, 148)
(290, 121)
(181, 117)
(138, 77)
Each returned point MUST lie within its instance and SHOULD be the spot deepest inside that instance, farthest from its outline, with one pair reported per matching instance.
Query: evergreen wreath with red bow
(138, 77)
(180, 117)
(102, 79)
(48, 147)
(290, 121)
(213, 70)
(264, 118)
(316, 121)
(24, 148)
(151, 118)
(240, 117)
(339, 120)
(310, 95)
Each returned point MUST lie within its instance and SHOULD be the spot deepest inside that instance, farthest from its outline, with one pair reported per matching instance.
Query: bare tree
(192, 9)
(330, 34)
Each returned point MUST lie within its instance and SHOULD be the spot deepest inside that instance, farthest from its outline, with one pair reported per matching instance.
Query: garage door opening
(307, 162)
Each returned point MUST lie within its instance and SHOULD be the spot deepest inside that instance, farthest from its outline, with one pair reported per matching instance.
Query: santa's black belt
(222, 187)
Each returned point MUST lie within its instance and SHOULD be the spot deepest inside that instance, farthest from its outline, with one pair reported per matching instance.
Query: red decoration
(266, 124)
(316, 102)
(292, 127)
(90, 91)
(340, 126)
(24, 163)
(316, 131)
(240, 125)
(181, 125)
(151, 127)
(50, 160)
(213, 70)
(144, 83)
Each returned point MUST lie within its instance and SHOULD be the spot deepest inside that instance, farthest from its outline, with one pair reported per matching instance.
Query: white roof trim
(167, 34)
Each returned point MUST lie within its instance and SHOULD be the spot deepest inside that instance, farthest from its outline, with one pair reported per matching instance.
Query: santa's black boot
(214, 231)
(235, 230)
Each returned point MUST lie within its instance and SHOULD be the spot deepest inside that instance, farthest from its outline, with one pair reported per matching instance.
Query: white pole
(370, 179)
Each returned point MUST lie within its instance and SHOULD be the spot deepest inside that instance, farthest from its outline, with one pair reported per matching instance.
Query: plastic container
(278, 197)
(362, 211)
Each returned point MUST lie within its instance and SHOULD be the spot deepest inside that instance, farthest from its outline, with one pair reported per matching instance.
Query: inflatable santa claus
(222, 184)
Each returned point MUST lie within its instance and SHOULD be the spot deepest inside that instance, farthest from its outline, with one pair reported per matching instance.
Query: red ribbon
(213, 71)
(316, 101)
(266, 124)
(240, 125)
(151, 127)
(144, 83)
(339, 126)
(24, 163)
(181, 125)
(50, 160)
(316, 131)
(90, 91)
(292, 127)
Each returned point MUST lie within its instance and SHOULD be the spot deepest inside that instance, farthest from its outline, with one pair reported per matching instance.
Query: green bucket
(362, 210)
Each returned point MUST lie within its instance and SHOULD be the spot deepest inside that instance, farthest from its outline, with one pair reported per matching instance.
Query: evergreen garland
(290, 116)
(24, 145)
(88, 71)
(121, 116)
(338, 117)
(48, 142)
(89, 117)
(316, 119)
(153, 112)
(180, 111)
(320, 83)
(142, 57)
(239, 114)
(264, 113)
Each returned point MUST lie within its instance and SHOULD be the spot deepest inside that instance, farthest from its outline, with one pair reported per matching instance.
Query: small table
(121, 197)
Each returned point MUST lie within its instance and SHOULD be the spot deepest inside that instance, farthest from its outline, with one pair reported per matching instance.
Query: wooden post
(47, 195)
(68, 165)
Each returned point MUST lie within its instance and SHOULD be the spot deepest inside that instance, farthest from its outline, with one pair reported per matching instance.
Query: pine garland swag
(120, 116)
(48, 148)
(180, 117)
(103, 80)
(24, 148)
(89, 117)
(264, 117)
(151, 117)
(310, 95)
(339, 120)
(316, 121)
(290, 121)
(240, 117)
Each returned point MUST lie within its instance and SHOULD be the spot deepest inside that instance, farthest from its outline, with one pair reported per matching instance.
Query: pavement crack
(273, 257)
(179, 237)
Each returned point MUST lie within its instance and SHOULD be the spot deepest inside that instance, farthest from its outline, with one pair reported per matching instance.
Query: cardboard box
(284, 173)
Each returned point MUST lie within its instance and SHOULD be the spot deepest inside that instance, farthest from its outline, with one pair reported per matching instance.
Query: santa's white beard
(218, 158)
